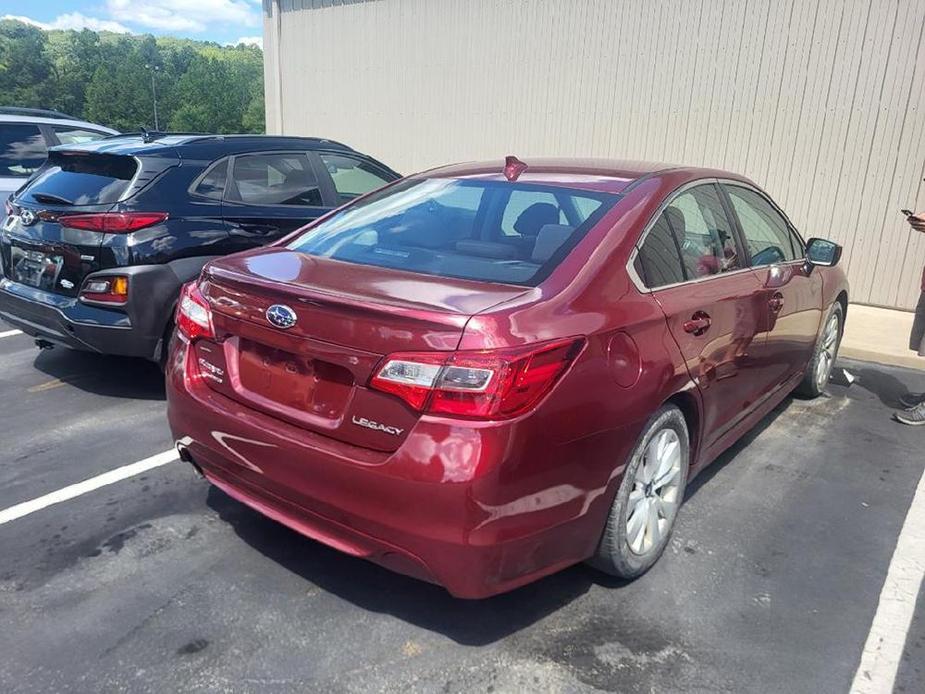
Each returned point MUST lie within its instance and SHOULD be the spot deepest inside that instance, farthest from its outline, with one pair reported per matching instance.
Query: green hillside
(102, 77)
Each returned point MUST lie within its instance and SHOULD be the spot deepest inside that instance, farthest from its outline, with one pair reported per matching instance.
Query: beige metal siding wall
(822, 102)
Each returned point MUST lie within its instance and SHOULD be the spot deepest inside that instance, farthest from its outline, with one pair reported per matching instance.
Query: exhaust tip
(184, 455)
(44, 344)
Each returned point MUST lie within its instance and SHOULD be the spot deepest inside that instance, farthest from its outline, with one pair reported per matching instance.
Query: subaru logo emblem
(281, 316)
(27, 217)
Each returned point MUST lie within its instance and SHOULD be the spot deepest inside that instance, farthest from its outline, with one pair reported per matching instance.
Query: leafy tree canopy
(106, 78)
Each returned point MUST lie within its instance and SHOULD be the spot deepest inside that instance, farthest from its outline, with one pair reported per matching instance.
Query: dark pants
(917, 339)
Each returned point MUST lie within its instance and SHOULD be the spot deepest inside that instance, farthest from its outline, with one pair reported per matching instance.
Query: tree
(119, 94)
(25, 69)
(74, 55)
(101, 76)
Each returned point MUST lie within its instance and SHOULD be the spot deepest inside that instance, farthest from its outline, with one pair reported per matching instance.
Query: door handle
(698, 324)
(776, 302)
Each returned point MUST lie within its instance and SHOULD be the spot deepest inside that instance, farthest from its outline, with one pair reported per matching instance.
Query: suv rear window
(512, 233)
(72, 178)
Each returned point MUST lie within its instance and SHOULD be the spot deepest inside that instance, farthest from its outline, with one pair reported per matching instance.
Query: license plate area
(35, 268)
(293, 382)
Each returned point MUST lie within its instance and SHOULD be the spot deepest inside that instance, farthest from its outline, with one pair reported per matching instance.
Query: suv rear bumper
(133, 329)
(66, 321)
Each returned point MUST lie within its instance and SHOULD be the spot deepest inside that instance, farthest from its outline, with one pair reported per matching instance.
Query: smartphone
(908, 213)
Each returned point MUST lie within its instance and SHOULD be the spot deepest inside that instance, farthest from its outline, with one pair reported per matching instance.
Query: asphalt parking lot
(158, 583)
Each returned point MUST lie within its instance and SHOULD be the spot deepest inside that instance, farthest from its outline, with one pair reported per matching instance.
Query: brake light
(112, 222)
(494, 384)
(108, 290)
(194, 316)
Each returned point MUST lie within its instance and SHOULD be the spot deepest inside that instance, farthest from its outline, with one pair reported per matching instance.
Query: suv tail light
(107, 290)
(194, 316)
(493, 384)
(112, 222)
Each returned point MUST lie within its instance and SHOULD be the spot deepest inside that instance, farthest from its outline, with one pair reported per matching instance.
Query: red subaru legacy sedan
(483, 373)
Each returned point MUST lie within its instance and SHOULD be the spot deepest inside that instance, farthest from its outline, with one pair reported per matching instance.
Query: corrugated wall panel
(822, 102)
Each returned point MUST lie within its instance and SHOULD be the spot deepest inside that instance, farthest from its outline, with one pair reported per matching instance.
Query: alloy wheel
(828, 352)
(654, 497)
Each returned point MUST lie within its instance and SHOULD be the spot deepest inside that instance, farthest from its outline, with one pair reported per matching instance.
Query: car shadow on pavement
(881, 383)
(102, 374)
(373, 588)
(730, 453)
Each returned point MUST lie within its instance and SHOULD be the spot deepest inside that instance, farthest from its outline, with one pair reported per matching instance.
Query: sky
(222, 21)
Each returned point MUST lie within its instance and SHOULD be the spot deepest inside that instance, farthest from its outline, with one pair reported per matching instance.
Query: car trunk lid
(347, 318)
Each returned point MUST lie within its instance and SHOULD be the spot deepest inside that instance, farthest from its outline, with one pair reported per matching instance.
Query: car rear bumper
(442, 508)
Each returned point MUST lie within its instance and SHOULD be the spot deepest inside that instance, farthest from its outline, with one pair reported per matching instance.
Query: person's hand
(917, 221)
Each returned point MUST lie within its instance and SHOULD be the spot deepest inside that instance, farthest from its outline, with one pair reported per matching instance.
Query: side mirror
(822, 252)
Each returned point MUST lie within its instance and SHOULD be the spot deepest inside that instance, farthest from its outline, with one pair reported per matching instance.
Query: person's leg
(918, 326)
(916, 344)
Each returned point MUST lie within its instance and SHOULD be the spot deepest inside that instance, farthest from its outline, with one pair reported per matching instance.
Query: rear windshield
(493, 231)
(71, 178)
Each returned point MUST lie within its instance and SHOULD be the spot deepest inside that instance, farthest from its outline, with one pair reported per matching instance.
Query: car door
(270, 194)
(691, 261)
(793, 292)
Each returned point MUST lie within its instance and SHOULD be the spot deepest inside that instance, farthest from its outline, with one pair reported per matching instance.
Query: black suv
(96, 245)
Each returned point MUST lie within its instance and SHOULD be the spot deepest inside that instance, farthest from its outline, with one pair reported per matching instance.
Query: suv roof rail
(38, 112)
(152, 135)
(319, 140)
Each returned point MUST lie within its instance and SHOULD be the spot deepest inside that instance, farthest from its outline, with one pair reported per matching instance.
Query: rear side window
(80, 178)
(212, 184)
(275, 179)
(352, 176)
(456, 228)
(658, 262)
(22, 149)
(699, 222)
(766, 232)
(692, 238)
(68, 135)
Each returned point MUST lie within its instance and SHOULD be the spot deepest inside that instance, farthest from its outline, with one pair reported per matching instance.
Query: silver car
(27, 133)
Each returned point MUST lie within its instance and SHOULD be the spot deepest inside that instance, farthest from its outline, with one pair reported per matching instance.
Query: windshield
(492, 231)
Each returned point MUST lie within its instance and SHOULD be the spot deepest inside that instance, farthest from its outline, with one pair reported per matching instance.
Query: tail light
(494, 384)
(8, 207)
(112, 222)
(194, 316)
(108, 290)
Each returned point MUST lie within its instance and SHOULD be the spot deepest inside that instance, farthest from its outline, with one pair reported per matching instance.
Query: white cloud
(184, 15)
(74, 20)
(249, 41)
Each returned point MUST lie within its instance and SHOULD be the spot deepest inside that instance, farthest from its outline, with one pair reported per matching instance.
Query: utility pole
(154, 70)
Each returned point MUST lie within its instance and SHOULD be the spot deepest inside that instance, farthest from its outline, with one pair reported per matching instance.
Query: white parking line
(10, 333)
(74, 490)
(887, 638)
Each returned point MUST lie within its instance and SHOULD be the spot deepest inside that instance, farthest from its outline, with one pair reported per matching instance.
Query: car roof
(195, 145)
(50, 120)
(599, 174)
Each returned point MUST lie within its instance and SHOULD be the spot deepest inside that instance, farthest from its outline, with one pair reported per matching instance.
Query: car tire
(165, 346)
(622, 551)
(825, 353)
